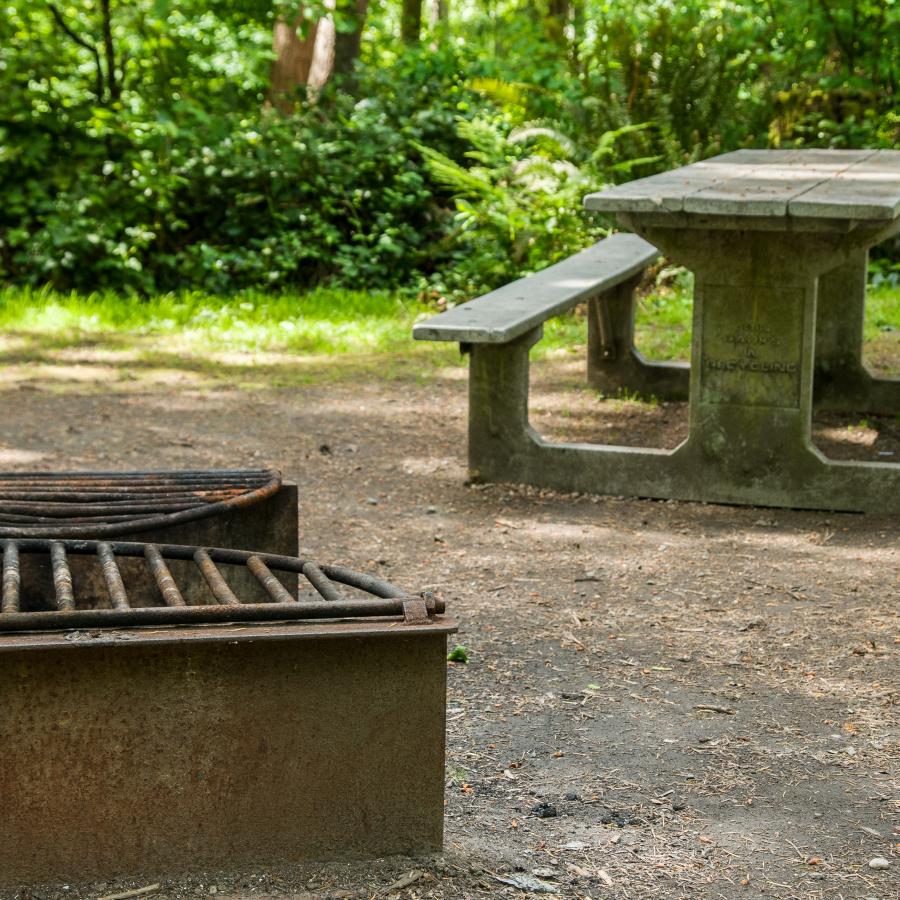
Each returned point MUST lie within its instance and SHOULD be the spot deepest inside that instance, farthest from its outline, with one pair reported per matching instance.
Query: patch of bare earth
(663, 700)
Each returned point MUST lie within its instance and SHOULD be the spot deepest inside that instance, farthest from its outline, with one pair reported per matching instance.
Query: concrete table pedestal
(777, 241)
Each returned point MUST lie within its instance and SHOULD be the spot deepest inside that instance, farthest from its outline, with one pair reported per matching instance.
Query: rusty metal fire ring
(66, 610)
(108, 504)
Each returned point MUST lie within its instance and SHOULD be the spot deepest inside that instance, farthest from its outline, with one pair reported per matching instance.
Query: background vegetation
(228, 145)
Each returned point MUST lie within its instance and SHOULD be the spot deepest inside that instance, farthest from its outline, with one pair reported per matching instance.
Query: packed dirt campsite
(449, 451)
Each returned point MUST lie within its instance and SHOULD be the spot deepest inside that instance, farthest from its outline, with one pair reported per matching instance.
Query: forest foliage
(144, 148)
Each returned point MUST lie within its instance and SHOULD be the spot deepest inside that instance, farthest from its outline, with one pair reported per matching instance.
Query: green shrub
(114, 198)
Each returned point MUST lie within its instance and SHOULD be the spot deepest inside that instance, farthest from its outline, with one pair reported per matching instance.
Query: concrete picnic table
(778, 243)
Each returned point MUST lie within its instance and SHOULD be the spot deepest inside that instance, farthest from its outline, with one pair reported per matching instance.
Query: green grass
(321, 322)
(326, 333)
(663, 325)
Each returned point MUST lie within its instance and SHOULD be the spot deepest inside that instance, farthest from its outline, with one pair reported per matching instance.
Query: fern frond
(462, 181)
(503, 93)
(564, 144)
(487, 139)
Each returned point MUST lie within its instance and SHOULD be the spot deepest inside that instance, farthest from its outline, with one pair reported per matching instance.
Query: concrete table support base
(841, 381)
(751, 387)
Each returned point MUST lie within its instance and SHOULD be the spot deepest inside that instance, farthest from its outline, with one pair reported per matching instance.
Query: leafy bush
(518, 205)
(229, 201)
(165, 171)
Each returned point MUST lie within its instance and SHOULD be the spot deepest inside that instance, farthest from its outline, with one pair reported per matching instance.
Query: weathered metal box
(156, 750)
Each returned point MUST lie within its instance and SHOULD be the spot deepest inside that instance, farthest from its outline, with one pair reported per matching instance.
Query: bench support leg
(498, 406)
(842, 382)
(614, 363)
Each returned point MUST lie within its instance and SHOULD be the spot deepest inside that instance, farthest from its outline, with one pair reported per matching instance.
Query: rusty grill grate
(66, 610)
(107, 504)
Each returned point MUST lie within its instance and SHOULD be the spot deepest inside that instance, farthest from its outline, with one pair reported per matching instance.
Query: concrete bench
(498, 330)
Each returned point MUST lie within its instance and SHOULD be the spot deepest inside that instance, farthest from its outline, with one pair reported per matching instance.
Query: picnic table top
(824, 184)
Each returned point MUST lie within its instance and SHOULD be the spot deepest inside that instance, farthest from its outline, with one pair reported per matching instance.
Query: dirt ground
(663, 699)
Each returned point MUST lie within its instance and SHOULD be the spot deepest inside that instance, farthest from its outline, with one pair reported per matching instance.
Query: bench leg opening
(615, 366)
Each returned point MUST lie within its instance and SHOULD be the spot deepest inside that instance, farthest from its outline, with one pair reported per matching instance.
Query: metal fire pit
(218, 507)
(235, 731)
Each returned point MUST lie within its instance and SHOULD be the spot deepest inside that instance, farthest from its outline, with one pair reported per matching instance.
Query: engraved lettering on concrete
(750, 365)
(751, 345)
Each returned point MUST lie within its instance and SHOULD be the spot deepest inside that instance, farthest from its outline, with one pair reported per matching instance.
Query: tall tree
(439, 15)
(411, 21)
(308, 60)
(348, 41)
(293, 60)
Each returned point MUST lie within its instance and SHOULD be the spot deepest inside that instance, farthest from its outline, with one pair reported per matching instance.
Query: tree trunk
(293, 60)
(440, 13)
(347, 44)
(323, 55)
(411, 21)
(558, 12)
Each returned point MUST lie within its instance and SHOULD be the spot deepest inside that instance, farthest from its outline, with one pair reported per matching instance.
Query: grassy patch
(256, 338)
(315, 323)
(663, 326)
(195, 339)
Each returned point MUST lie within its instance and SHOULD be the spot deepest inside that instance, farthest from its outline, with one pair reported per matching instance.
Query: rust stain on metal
(163, 577)
(415, 612)
(62, 578)
(273, 587)
(115, 586)
(280, 739)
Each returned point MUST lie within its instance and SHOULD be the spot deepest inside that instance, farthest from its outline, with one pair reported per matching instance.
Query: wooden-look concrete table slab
(776, 240)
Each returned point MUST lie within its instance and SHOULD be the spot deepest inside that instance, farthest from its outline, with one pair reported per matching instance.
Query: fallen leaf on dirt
(577, 870)
(405, 881)
(573, 640)
(137, 892)
(707, 707)
(528, 883)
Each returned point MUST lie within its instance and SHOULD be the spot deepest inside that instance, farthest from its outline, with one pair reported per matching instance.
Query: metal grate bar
(11, 577)
(103, 504)
(209, 615)
(360, 580)
(164, 580)
(317, 578)
(113, 577)
(175, 476)
(62, 578)
(384, 600)
(214, 579)
(274, 588)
